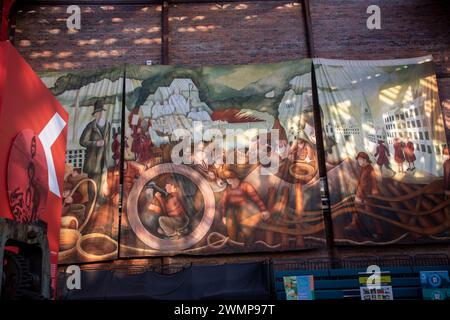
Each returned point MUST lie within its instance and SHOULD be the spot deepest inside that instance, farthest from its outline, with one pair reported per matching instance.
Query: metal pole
(322, 169)
(165, 33)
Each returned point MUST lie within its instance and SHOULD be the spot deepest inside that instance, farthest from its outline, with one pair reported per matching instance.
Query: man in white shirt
(157, 110)
(178, 102)
(199, 115)
(167, 109)
(146, 109)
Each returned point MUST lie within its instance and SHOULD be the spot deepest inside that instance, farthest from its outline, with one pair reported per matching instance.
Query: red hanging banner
(33, 130)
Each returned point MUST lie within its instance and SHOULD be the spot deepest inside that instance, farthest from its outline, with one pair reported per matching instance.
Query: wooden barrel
(69, 222)
(96, 247)
(78, 211)
(302, 171)
(68, 239)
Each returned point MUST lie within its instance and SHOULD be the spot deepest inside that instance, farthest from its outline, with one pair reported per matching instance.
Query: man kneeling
(174, 219)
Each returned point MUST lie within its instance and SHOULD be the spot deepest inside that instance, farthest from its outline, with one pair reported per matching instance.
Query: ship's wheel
(171, 244)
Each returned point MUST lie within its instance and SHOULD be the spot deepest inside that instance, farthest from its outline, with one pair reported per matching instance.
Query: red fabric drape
(7, 5)
(26, 104)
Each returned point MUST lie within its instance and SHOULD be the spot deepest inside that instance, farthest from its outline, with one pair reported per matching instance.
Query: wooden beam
(165, 33)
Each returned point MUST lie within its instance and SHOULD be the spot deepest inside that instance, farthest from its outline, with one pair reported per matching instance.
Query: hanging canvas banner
(220, 160)
(385, 149)
(93, 99)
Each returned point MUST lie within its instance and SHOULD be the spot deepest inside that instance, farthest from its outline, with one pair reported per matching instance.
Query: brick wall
(109, 35)
(198, 34)
(409, 28)
(236, 33)
(247, 32)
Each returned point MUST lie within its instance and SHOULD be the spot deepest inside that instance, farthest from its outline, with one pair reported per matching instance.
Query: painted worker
(134, 120)
(136, 144)
(67, 198)
(367, 186)
(410, 157)
(302, 150)
(95, 138)
(399, 156)
(367, 183)
(32, 197)
(178, 103)
(215, 170)
(167, 109)
(157, 110)
(282, 145)
(115, 149)
(72, 177)
(173, 219)
(235, 203)
(197, 114)
(146, 145)
(382, 154)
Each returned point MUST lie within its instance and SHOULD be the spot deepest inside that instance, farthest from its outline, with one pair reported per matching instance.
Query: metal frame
(11, 230)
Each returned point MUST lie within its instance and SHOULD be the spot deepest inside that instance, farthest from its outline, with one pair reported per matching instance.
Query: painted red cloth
(7, 5)
(382, 154)
(115, 148)
(145, 150)
(172, 206)
(239, 197)
(136, 144)
(409, 152)
(132, 172)
(27, 104)
(298, 153)
(137, 124)
(367, 184)
(399, 157)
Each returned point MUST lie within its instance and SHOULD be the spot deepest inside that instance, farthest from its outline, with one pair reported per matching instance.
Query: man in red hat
(383, 156)
(367, 186)
(399, 155)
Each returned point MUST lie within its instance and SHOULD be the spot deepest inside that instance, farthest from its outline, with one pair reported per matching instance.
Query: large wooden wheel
(171, 244)
(303, 171)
